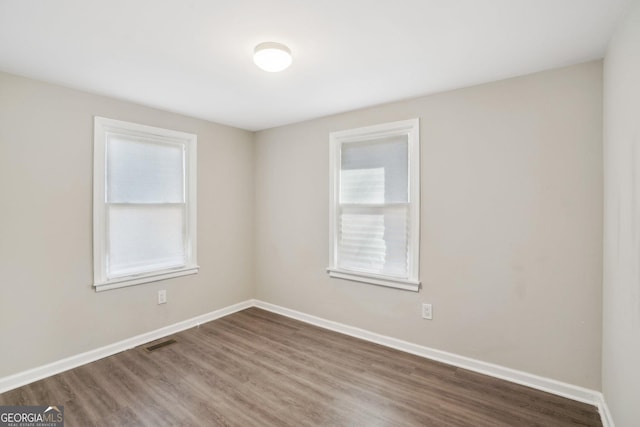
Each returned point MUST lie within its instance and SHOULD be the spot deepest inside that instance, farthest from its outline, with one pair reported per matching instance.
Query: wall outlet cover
(427, 311)
(162, 297)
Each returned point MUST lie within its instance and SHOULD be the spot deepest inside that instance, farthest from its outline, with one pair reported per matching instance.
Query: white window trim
(101, 127)
(411, 128)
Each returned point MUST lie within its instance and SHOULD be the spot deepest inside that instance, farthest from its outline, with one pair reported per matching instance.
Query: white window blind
(373, 218)
(144, 204)
(373, 213)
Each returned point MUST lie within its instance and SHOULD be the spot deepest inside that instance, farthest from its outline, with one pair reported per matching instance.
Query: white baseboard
(559, 388)
(605, 414)
(26, 377)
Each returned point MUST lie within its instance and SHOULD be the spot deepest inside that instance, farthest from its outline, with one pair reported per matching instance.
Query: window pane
(375, 171)
(374, 240)
(145, 238)
(144, 172)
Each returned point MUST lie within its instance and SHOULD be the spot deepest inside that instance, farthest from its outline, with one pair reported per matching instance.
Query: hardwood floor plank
(257, 368)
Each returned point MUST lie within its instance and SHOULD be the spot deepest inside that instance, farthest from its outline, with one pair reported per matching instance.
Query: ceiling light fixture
(272, 57)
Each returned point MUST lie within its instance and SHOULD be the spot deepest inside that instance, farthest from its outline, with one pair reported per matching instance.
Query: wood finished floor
(256, 368)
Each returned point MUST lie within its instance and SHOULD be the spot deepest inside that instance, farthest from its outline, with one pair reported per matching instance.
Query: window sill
(390, 282)
(122, 282)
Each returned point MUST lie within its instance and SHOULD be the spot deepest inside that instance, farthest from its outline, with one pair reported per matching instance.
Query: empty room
(332, 213)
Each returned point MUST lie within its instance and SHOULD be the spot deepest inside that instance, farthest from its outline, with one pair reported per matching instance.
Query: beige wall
(621, 314)
(48, 309)
(511, 244)
(511, 225)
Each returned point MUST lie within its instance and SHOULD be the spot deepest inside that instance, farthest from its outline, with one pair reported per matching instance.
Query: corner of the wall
(605, 413)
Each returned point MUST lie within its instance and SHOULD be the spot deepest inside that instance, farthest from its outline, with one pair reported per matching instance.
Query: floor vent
(159, 345)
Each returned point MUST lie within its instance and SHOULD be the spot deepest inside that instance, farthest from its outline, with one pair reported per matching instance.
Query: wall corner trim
(23, 378)
(605, 414)
(548, 385)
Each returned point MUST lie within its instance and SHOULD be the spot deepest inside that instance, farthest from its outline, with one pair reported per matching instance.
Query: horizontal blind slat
(374, 239)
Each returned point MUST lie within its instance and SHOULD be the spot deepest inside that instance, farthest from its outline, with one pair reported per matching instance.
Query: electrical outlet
(427, 312)
(162, 297)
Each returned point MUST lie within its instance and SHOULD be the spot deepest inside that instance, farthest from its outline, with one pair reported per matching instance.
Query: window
(375, 204)
(144, 204)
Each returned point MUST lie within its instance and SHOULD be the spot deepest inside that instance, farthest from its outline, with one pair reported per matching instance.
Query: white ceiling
(195, 56)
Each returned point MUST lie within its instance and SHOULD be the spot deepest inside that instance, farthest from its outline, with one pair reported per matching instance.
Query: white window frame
(410, 128)
(103, 127)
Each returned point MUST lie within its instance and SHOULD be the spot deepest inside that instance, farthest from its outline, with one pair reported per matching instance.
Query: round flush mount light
(272, 57)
